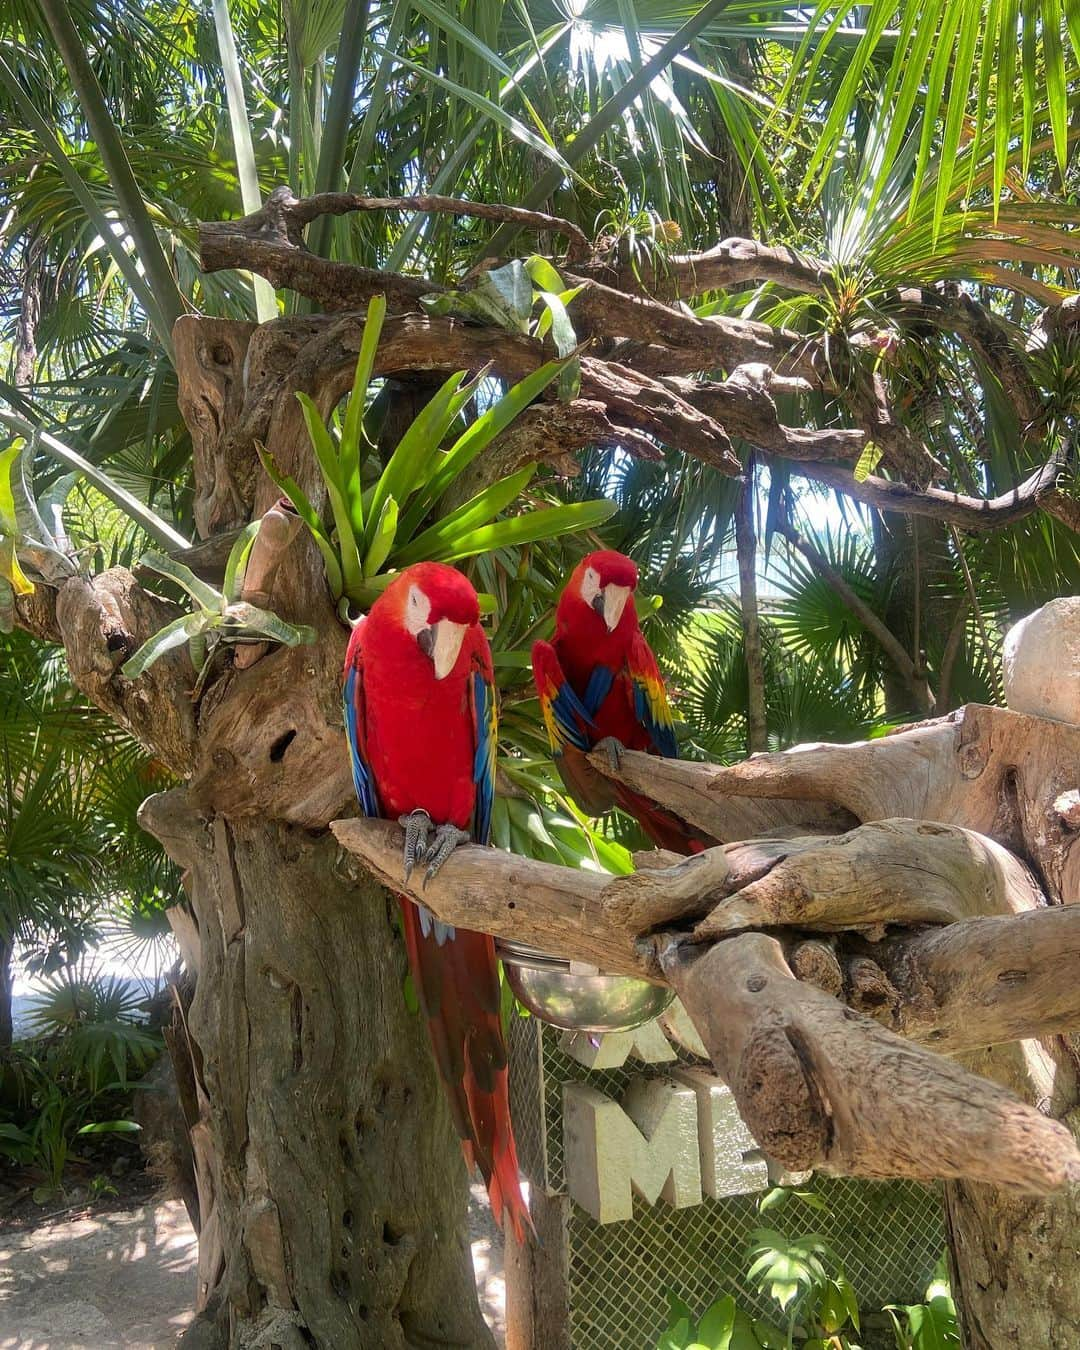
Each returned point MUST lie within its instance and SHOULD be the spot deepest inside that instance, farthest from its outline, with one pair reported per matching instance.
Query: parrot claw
(613, 748)
(447, 838)
(416, 825)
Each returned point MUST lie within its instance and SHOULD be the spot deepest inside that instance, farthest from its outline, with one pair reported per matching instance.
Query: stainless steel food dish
(566, 997)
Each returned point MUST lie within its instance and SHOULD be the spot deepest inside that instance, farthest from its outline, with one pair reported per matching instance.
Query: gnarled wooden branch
(969, 513)
(623, 310)
(732, 262)
(284, 217)
(743, 403)
(990, 769)
(982, 981)
(819, 1085)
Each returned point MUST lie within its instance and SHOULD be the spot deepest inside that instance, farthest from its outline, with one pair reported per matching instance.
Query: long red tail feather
(457, 986)
(664, 828)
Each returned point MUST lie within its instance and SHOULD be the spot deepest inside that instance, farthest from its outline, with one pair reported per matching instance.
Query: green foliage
(508, 296)
(930, 1325)
(95, 1022)
(793, 1271)
(817, 1304)
(219, 616)
(67, 1084)
(74, 866)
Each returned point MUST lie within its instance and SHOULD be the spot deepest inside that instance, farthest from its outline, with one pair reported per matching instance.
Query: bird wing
(651, 707)
(568, 720)
(352, 698)
(484, 711)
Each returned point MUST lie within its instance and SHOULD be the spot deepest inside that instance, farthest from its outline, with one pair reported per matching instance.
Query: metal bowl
(579, 998)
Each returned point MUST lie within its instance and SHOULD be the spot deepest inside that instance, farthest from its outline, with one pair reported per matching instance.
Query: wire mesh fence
(888, 1236)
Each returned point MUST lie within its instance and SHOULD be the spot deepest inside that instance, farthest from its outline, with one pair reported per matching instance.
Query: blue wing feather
(651, 707)
(598, 688)
(353, 702)
(661, 733)
(485, 725)
(571, 713)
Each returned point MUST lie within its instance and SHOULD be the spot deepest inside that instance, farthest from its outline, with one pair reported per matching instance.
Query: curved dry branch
(969, 513)
(479, 888)
(823, 1087)
(306, 209)
(733, 262)
(989, 769)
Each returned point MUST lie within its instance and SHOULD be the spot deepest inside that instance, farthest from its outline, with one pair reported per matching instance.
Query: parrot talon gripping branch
(878, 943)
(416, 825)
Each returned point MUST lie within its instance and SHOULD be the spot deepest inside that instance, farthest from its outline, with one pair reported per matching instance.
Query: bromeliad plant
(508, 296)
(388, 524)
(219, 616)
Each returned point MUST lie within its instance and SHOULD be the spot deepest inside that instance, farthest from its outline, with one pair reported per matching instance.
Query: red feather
(418, 736)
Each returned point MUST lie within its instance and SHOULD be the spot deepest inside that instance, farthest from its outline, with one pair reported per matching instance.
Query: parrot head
(435, 605)
(603, 582)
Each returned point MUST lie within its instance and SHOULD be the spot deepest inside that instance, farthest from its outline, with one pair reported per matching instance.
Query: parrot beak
(448, 638)
(615, 598)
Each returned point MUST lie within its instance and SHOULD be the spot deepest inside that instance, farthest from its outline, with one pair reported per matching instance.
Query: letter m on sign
(647, 1144)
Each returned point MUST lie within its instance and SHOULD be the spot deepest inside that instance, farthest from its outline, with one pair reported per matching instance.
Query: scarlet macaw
(600, 686)
(420, 713)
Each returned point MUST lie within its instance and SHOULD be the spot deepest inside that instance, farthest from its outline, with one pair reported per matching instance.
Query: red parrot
(419, 699)
(600, 686)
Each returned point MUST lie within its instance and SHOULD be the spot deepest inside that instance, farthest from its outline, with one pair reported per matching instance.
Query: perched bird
(600, 687)
(420, 714)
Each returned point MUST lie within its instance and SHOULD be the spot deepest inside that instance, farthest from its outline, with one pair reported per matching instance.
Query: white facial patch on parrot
(590, 585)
(417, 609)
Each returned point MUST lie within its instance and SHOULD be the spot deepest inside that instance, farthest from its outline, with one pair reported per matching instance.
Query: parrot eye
(417, 610)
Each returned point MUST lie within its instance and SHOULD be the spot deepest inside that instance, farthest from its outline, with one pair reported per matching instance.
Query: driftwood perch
(897, 895)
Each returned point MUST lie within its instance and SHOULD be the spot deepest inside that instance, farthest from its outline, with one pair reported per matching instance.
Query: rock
(1041, 662)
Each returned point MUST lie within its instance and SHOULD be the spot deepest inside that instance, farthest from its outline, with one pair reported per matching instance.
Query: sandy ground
(126, 1279)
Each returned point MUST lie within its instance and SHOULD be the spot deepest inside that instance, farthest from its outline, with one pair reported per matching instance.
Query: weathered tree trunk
(1013, 1264)
(332, 1189)
(7, 982)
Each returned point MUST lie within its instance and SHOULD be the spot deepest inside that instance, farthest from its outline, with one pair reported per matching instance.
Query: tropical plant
(55, 1106)
(74, 867)
(219, 617)
(388, 524)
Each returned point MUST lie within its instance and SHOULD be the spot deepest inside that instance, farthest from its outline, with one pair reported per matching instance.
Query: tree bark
(1011, 1264)
(757, 730)
(332, 1189)
(7, 981)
